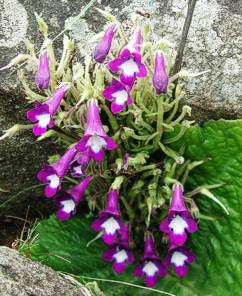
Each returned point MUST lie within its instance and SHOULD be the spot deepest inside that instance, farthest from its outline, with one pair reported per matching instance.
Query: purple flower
(160, 77)
(102, 48)
(179, 220)
(68, 201)
(129, 66)
(150, 266)
(119, 94)
(42, 76)
(109, 220)
(135, 42)
(120, 252)
(95, 140)
(80, 164)
(53, 174)
(43, 113)
(179, 258)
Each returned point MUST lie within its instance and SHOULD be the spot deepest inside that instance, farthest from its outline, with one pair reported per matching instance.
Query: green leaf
(217, 244)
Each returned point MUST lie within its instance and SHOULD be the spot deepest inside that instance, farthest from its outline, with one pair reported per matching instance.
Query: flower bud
(160, 77)
(102, 48)
(42, 76)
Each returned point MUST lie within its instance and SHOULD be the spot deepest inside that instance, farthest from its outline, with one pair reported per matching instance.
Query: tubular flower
(179, 220)
(42, 76)
(160, 77)
(120, 252)
(119, 94)
(150, 266)
(80, 164)
(43, 113)
(135, 42)
(179, 258)
(68, 201)
(95, 140)
(53, 174)
(129, 66)
(109, 220)
(102, 48)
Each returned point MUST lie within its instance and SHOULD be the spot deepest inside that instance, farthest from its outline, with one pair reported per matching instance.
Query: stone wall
(214, 43)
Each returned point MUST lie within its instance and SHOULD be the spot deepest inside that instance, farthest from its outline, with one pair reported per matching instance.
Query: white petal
(178, 258)
(121, 256)
(129, 67)
(120, 96)
(150, 268)
(54, 181)
(110, 226)
(78, 169)
(96, 143)
(68, 205)
(178, 224)
(43, 119)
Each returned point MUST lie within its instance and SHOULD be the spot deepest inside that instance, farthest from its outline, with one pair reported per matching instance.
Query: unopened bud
(17, 60)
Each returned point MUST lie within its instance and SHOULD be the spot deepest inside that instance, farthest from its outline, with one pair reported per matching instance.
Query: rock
(214, 43)
(19, 276)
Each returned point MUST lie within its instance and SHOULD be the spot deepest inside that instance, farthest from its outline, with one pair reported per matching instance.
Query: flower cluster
(116, 117)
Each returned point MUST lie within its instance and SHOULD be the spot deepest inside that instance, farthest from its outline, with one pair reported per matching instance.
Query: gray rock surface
(20, 276)
(214, 43)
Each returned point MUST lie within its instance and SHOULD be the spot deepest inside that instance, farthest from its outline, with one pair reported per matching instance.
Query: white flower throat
(129, 67)
(54, 180)
(150, 268)
(120, 96)
(43, 119)
(68, 205)
(121, 256)
(178, 258)
(110, 226)
(178, 224)
(96, 143)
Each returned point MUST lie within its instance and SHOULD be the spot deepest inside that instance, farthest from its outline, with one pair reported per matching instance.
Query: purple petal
(110, 144)
(97, 156)
(138, 271)
(151, 281)
(38, 130)
(142, 71)
(81, 145)
(49, 191)
(181, 270)
(115, 64)
(119, 267)
(129, 80)
(63, 216)
(192, 225)
(177, 239)
(125, 54)
(162, 269)
(109, 239)
(131, 258)
(164, 226)
(108, 254)
(96, 225)
(115, 108)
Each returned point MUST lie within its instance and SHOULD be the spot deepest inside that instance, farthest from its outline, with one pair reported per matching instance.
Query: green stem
(177, 137)
(171, 153)
(130, 212)
(159, 126)
(112, 120)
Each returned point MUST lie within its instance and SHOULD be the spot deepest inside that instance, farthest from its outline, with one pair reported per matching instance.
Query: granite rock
(19, 276)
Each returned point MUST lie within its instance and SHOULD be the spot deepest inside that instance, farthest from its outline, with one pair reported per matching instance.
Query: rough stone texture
(214, 43)
(20, 276)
